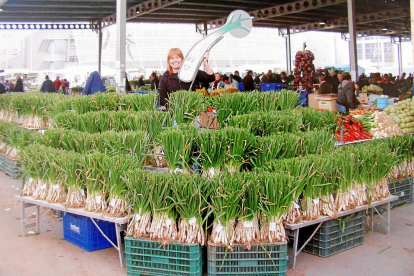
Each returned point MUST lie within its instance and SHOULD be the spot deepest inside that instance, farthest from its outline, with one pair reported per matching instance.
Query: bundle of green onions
(139, 226)
(247, 229)
(177, 145)
(276, 195)
(13, 138)
(226, 203)
(96, 181)
(315, 119)
(190, 194)
(213, 147)
(239, 145)
(164, 224)
(345, 169)
(317, 142)
(74, 174)
(185, 106)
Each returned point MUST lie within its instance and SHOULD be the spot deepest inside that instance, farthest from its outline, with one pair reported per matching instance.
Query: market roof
(379, 17)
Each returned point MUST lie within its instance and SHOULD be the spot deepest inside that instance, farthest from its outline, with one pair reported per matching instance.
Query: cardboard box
(363, 98)
(312, 102)
(327, 101)
(209, 120)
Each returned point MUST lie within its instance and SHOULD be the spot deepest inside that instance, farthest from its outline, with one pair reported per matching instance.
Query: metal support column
(100, 49)
(412, 29)
(352, 40)
(288, 53)
(120, 65)
(400, 70)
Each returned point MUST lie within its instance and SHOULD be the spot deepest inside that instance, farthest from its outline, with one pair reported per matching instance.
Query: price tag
(316, 201)
(364, 186)
(82, 192)
(402, 193)
(272, 227)
(353, 192)
(112, 202)
(178, 170)
(56, 186)
(296, 205)
(43, 186)
(137, 217)
(168, 222)
(41, 131)
(219, 227)
(30, 180)
(211, 171)
(192, 221)
(332, 197)
(248, 224)
(98, 199)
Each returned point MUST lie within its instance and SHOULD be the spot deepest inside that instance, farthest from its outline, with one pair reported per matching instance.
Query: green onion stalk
(96, 170)
(344, 177)
(276, 195)
(190, 194)
(315, 119)
(32, 158)
(140, 224)
(13, 138)
(177, 145)
(74, 173)
(403, 147)
(298, 168)
(6, 114)
(136, 102)
(118, 203)
(317, 142)
(57, 190)
(240, 144)
(164, 217)
(226, 203)
(247, 229)
(185, 106)
(287, 99)
(212, 146)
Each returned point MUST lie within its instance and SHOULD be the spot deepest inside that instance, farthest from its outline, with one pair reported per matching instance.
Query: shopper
(170, 82)
(230, 83)
(19, 85)
(324, 87)
(141, 81)
(248, 82)
(217, 83)
(154, 81)
(58, 84)
(2, 88)
(237, 77)
(47, 85)
(347, 98)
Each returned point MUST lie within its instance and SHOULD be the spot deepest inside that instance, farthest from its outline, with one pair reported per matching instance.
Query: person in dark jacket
(127, 85)
(248, 82)
(237, 77)
(141, 81)
(324, 87)
(93, 85)
(170, 82)
(347, 98)
(2, 88)
(47, 86)
(334, 81)
(19, 85)
(154, 81)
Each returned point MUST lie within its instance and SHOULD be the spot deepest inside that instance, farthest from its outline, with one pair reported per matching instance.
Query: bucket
(382, 102)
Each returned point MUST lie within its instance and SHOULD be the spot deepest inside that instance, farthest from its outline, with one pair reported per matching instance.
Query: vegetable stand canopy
(390, 18)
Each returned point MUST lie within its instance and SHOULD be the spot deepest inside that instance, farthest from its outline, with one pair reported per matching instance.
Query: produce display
(304, 70)
(403, 114)
(14, 138)
(380, 125)
(269, 163)
(31, 110)
(352, 129)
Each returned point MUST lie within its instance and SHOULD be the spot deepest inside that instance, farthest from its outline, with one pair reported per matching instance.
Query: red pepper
(361, 125)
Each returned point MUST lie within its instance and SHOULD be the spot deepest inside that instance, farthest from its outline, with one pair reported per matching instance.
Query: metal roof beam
(343, 21)
(139, 10)
(279, 10)
(37, 26)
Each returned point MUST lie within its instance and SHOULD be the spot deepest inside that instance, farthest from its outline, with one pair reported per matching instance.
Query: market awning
(390, 18)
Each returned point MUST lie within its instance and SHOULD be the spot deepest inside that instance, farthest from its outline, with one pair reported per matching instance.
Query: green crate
(403, 189)
(261, 259)
(334, 236)
(146, 257)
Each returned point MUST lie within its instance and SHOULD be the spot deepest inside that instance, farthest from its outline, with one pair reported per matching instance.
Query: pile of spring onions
(13, 138)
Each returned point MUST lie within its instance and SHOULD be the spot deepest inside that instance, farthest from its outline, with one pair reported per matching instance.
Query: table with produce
(231, 189)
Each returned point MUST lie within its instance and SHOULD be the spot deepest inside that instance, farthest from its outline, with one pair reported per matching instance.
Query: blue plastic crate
(303, 100)
(81, 231)
(265, 87)
(241, 86)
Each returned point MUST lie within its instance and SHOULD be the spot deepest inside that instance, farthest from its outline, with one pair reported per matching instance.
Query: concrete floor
(49, 254)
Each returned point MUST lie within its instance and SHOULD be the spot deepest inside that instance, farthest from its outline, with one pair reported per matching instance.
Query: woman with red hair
(170, 82)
